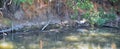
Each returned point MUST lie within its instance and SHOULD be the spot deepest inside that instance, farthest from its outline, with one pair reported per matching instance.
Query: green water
(66, 39)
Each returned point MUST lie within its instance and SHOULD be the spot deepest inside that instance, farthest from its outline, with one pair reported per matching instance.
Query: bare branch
(10, 2)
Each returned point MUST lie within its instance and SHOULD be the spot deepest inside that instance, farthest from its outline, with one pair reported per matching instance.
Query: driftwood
(21, 26)
(12, 29)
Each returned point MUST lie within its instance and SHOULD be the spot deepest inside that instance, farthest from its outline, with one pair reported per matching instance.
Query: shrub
(94, 17)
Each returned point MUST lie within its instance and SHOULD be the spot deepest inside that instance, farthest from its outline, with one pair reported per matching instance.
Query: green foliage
(16, 2)
(99, 17)
(113, 1)
(75, 4)
(6, 21)
(84, 4)
(74, 16)
(24, 1)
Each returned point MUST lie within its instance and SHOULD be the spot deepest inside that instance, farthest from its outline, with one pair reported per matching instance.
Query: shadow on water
(67, 38)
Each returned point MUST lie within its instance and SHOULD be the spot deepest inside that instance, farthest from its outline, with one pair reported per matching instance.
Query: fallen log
(15, 28)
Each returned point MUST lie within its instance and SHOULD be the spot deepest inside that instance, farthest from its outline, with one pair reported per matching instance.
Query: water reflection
(74, 39)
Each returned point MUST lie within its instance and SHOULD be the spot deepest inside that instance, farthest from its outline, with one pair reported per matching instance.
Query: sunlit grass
(7, 45)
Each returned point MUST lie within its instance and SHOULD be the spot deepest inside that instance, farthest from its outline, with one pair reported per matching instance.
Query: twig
(46, 25)
(10, 2)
